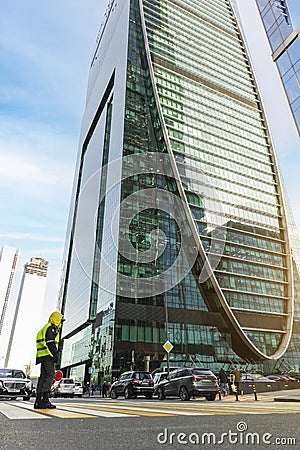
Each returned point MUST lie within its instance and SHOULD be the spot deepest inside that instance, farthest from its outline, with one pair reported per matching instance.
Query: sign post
(91, 371)
(168, 347)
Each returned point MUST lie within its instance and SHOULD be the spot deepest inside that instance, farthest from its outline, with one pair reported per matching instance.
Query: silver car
(187, 382)
(14, 383)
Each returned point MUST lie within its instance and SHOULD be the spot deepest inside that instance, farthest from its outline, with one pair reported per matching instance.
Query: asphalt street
(95, 423)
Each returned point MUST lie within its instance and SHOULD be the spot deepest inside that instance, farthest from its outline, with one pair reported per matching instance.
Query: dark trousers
(237, 385)
(46, 376)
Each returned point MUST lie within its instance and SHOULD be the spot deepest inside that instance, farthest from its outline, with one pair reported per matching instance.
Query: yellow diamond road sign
(168, 346)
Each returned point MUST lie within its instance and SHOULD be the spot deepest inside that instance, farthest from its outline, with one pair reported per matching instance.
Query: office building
(178, 227)
(8, 261)
(27, 320)
(281, 20)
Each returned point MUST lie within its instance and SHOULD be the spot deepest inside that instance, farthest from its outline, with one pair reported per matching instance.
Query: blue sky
(46, 48)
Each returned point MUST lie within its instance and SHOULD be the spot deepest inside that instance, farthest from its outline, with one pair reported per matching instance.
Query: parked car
(163, 369)
(295, 375)
(63, 388)
(187, 382)
(14, 383)
(289, 378)
(285, 378)
(133, 383)
(78, 389)
(255, 378)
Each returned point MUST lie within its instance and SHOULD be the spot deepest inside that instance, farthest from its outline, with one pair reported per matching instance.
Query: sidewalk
(288, 396)
(292, 395)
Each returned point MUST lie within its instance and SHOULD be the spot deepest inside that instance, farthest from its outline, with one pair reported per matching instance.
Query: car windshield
(67, 381)
(256, 376)
(201, 372)
(8, 373)
(160, 376)
(142, 376)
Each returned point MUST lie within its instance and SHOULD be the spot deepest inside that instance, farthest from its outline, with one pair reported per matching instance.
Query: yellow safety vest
(41, 346)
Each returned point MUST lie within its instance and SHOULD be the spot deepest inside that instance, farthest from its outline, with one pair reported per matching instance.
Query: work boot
(46, 402)
(38, 402)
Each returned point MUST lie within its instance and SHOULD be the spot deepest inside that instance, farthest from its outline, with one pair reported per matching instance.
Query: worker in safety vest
(47, 341)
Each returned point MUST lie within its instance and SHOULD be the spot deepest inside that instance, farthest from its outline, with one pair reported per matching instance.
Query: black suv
(131, 384)
(187, 382)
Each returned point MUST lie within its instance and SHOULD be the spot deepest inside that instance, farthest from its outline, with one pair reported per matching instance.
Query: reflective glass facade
(189, 239)
(282, 32)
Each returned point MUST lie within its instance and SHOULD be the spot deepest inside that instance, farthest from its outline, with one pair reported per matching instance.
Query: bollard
(236, 395)
(235, 390)
(219, 391)
(254, 391)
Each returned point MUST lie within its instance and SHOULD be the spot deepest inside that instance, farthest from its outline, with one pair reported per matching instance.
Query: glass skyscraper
(179, 228)
(281, 19)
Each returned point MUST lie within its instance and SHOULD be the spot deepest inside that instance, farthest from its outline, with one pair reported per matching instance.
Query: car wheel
(160, 394)
(113, 394)
(211, 398)
(26, 398)
(183, 394)
(127, 393)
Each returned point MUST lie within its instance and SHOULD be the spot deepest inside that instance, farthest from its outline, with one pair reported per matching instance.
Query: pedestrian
(237, 375)
(47, 343)
(100, 388)
(87, 388)
(104, 389)
(92, 388)
(223, 380)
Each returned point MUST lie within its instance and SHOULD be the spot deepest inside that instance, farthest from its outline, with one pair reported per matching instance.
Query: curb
(287, 399)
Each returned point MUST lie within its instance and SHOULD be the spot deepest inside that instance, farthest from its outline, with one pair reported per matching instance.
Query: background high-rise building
(281, 19)
(178, 228)
(8, 261)
(27, 319)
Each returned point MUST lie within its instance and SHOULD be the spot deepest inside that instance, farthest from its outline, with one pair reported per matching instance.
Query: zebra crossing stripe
(62, 414)
(12, 411)
(100, 412)
(135, 410)
(146, 411)
(52, 412)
